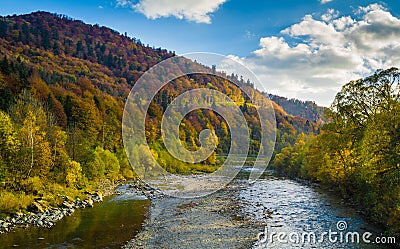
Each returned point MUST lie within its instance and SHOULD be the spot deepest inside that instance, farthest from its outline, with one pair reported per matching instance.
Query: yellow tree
(73, 174)
(9, 146)
(211, 141)
(37, 156)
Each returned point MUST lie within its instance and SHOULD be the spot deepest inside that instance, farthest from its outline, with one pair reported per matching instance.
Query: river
(298, 211)
(282, 205)
(109, 224)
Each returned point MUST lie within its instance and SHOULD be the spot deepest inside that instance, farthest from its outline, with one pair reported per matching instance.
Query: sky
(298, 49)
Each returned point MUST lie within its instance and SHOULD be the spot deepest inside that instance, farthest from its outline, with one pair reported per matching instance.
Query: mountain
(305, 109)
(63, 86)
(41, 36)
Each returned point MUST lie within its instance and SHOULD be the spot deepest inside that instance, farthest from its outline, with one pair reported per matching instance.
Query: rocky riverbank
(47, 217)
(213, 221)
(141, 188)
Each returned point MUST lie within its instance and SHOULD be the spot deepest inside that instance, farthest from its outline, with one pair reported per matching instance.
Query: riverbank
(213, 221)
(48, 217)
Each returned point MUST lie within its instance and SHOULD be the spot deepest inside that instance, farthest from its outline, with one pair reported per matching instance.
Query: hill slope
(63, 84)
(305, 109)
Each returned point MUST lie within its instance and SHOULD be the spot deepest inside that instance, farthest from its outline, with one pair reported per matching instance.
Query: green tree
(125, 167)
(103, 164)
(111, 164)
(95, 168)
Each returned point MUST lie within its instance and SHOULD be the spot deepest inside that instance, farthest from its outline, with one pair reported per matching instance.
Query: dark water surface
(107, 225)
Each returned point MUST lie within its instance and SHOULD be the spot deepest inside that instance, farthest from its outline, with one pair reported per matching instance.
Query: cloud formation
(325, 1)
(192, 10)
(312, 59)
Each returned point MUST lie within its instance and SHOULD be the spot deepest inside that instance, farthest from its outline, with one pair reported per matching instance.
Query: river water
(281, 205)
(294, 214)
(109, 224)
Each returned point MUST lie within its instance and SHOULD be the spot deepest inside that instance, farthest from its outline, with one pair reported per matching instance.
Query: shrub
(33, 186)
(13, 202)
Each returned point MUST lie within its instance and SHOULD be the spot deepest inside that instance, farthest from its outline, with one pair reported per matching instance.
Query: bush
(33, 186)
(13, 202)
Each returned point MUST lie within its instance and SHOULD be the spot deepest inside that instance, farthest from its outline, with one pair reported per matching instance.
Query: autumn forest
(63, 86)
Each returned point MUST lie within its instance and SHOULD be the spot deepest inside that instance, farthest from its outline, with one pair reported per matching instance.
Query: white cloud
(312, 59)
(329, 15)
(325, 1)
(124, 3)
(369, 8)
(192, 10)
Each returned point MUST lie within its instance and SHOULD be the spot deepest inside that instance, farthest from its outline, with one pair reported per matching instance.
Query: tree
(73, 174)
(111, 164)
(95, 168)
(359, 100)
(104, 164)
(211, 141)
(9, 143)
(60, 158)
(34, 157)
(125, 167)
(37, 156)
(359, 151)
(9, 146)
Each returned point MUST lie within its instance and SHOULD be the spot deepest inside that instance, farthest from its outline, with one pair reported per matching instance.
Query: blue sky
(287, 43)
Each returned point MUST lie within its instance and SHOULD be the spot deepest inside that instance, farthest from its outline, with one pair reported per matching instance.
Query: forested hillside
(63, 84)
(306, 109)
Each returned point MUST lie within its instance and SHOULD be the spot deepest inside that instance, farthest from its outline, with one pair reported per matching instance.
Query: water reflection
(107, 225)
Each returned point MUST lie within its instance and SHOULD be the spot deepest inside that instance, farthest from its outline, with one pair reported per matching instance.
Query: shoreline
(49, 217)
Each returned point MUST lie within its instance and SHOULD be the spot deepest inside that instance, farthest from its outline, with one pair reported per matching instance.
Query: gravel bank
(213, 221)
